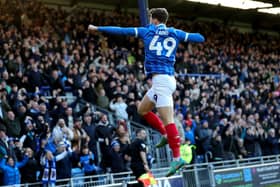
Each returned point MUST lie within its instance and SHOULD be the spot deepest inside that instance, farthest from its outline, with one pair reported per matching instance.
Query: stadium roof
(192, 10)
(257, 18)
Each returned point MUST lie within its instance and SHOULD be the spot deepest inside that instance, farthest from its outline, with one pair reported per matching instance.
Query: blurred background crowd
(231, 112)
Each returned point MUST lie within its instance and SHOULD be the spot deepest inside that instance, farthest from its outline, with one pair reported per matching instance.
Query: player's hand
(92, 28)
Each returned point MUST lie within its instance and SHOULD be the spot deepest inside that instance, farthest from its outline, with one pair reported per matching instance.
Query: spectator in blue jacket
(11, 171)
(190, 127)
(87, 162)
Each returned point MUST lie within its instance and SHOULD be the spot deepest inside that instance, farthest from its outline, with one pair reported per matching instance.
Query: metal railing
(198, 175)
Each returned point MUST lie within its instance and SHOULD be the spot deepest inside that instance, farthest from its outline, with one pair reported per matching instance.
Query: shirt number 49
(168, 44)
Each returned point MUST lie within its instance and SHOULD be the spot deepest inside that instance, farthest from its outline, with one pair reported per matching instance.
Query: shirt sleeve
(189, 37)
(129, 31)
(141, 146)
(22, 163)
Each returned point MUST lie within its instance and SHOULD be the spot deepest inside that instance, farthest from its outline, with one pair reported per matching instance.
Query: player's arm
(129, 31)
(189, 37)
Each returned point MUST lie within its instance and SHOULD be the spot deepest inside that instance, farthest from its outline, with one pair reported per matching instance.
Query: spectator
(55, 83)
(69, 118)
(186, 150)
(250, 142)
(204, 137)
(69, 115)
(119, 163)
(90, 93)
(49, 169)
(4, 149)
(10, 170)
(119, 106)
(44, 111)
(29, 171)
(132, 108)
(102, 99)
(104, 134)
(4, 107)
(80, 138)
(122, 138)
(61, 132)
(63, 165)
(87, 162)
(272, 142)
(190, 127)
(229, 143)
(218, 152)
(90, 128)
(30, 137)
(12, 125)
(7, 147)
(34, 76)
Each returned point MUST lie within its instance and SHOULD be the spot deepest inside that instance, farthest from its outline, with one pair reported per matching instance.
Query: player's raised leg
(145, 110)
(173, 138)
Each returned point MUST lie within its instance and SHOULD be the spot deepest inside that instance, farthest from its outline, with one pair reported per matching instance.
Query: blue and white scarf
(49, 175)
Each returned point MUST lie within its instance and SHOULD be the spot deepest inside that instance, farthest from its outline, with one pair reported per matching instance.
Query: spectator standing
(61, 132)
(119, 106)
(122, 138)
(229, 142)
(250, 141)
(104, 132)
(190, 128)
(11, 171)
(63, 166)
(30, 138)
(272, 142)
(4, 149)
(118, 164)
(87, 162)
(218, 152)
(205, 135)
(29, 171)
(102, 99)
(12, 125)
(80, 138)
(90, 128)
(186, 151)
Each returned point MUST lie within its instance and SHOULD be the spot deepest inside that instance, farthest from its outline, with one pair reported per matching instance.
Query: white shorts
(162, 89)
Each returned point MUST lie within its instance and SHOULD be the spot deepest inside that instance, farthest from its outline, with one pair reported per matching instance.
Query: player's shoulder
(171, 29)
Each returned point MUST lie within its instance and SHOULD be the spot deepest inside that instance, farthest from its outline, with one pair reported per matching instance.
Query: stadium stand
(59, 86)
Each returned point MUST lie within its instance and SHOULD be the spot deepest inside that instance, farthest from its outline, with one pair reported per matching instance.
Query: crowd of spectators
(49, 52)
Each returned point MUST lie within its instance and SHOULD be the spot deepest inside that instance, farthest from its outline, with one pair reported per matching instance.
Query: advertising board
(251, 176)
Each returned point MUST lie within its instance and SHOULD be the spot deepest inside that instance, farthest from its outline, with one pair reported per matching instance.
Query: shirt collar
(161, 25)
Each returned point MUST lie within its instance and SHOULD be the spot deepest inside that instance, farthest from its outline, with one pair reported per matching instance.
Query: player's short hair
(161, 14)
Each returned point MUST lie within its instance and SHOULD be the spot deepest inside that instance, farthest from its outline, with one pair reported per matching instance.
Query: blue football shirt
(160, 43)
